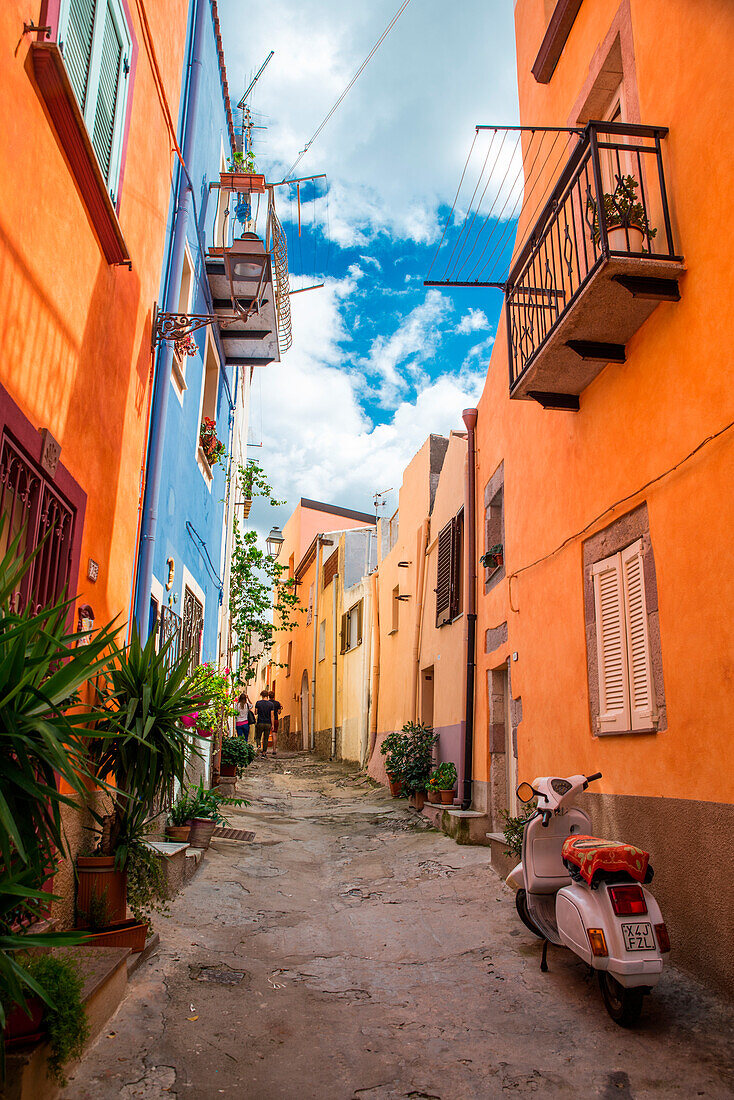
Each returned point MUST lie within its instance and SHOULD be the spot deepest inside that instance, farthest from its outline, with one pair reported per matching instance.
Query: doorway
(304, 709)
(427, 696)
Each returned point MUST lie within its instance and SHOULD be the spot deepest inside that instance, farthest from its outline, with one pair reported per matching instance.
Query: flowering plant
(187, 345)
(443, 777)
(212, 447)
(216, 690)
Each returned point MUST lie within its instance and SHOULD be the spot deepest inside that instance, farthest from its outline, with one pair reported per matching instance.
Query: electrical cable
(453, 205)
(498, 219)
(471, 202)
(611, 508)
(158, 79)
(201, 546)
(349, 86)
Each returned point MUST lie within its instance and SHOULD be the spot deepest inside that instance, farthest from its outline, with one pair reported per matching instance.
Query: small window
(449, 572)
(351, 632)
(185, 294)
(626, 696)
(309, 613)
(96, 44)
(210, 391)
(395, 608)
(322, 640)
(289, 659)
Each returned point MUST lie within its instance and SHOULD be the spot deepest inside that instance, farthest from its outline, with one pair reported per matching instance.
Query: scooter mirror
(525, 792)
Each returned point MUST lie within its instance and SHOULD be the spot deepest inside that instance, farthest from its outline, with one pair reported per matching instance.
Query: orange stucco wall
(563, 469)
(76, 331)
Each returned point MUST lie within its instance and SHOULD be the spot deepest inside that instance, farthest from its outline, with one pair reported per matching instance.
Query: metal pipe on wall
(335, 635)
(469, 416)
(374, 599)
(421, 545)
(315, 644)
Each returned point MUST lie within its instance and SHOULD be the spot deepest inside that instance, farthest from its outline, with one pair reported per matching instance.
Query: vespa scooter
(586, 893)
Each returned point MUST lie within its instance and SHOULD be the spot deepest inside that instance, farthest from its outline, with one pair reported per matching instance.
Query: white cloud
(419, 334)
(472, 321)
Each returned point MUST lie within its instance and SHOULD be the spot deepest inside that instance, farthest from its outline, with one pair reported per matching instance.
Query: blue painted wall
(188, 509)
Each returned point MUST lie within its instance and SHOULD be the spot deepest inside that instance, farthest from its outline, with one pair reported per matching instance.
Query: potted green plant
(443, 779)
(61, 1018)
(237, 754)
(207, 814)
(179, 817)
(241, 175)
(393, 749)
(417, 761)
(624, 216)
(494, 557)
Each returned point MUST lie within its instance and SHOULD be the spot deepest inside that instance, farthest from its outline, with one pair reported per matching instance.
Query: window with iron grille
(449, 570)
(30, 502)
(96, 44)
(192, 627)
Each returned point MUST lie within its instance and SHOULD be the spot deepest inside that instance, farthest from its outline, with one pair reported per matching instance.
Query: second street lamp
(274, 541)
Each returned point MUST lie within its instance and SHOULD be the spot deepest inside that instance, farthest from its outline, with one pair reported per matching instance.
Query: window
(395, 608)
(331, 567)
(626, 696)
(322, 640)
(95, 41)
(192, 627)
(494, 527)
(351, 633)
(289, 658)
(210, 390)
(309, 613)
(185, 294)
(449, 594)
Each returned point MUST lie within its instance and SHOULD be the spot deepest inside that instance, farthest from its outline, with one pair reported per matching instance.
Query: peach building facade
(605, 469)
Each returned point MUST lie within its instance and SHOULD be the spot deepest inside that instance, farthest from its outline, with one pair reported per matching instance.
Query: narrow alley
(350, 951)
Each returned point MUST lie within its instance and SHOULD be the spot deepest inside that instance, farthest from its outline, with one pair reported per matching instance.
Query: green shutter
(109, 82)
(78, 46)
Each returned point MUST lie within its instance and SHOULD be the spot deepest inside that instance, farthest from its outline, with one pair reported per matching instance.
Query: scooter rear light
(663, 938)
(598, 942)
(628, 901)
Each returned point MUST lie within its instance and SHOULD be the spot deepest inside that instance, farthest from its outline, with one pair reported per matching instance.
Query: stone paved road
(351, 953)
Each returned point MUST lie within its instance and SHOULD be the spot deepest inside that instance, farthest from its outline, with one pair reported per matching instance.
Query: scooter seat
(590, 856)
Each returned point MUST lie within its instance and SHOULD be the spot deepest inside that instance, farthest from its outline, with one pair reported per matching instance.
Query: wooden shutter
(611, 645)
(444, 574)
(109, 82)
(457, 530)
(77, 46)
(359, 622)
(642, 703)
(331, 567)
(344, 631)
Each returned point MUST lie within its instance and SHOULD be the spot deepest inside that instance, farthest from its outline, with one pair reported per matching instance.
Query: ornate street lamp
(274, 541)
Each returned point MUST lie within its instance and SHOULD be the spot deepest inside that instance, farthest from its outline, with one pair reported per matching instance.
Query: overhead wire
(471, 201)
(349, 87)
(453, 205)
(498, 218)
(484, 192)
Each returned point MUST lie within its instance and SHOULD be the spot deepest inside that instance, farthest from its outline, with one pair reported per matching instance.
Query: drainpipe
(422, 543)
(335, 633)
(469, 416)
(319, 543)
(374, 600)
(365, 730)
(162, 382)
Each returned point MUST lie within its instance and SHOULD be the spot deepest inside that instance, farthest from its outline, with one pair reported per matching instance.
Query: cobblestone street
(349, 951)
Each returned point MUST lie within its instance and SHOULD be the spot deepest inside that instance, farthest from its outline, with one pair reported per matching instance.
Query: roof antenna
(380, 500)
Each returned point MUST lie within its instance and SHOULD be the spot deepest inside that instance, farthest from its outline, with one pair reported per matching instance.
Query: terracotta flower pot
(434, 796)
(447, 797)
(202, 830)
(100, 879)
(617, 238)
(178, 832)
(127, 933)
(229, 771)
(20, 1028)
(418, 800)
(396, 787)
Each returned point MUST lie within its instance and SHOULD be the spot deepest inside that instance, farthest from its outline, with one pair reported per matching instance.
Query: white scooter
(586, 893)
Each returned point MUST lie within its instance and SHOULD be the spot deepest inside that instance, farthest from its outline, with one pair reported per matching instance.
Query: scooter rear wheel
(521, 904)
(623, 1005)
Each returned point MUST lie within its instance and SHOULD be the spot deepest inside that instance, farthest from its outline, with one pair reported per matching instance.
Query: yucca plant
(145, 748)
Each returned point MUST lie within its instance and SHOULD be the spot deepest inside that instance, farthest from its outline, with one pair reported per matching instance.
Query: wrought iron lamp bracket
(177, 326)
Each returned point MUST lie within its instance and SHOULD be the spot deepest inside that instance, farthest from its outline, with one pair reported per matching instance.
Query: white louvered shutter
(103, 131)
(642, 703)
(611, 645)
(77, 46)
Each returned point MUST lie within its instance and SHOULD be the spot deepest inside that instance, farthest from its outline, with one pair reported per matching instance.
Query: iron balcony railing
(616, 168)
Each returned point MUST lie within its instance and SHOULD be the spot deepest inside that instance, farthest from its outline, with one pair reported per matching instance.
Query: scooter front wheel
(521, 904)
(623, 1005)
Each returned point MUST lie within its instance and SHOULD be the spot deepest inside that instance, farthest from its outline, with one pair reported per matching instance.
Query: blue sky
(378, 360)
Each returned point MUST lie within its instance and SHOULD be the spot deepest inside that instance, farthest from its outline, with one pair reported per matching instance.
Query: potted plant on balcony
(393, 749)
(494, 557)
(624, 216)
(241, 175)
(443, 780)
(417, 761)
(212, 447)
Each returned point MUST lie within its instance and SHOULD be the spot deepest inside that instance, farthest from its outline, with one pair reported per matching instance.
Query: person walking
(264, 720)
(242, 719)
(277, 708)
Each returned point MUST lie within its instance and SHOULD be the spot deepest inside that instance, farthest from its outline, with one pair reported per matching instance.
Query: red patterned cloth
(591, 854)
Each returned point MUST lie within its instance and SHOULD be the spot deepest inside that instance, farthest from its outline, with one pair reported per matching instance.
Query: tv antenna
(380, 500)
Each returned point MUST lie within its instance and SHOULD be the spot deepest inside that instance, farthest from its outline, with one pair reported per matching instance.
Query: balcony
(584, 282)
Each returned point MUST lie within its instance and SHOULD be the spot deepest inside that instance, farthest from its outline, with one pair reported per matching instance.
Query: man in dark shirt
(264, 721)
(277, 708)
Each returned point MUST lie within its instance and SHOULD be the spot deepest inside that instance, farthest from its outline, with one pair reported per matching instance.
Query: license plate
(638, 937)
